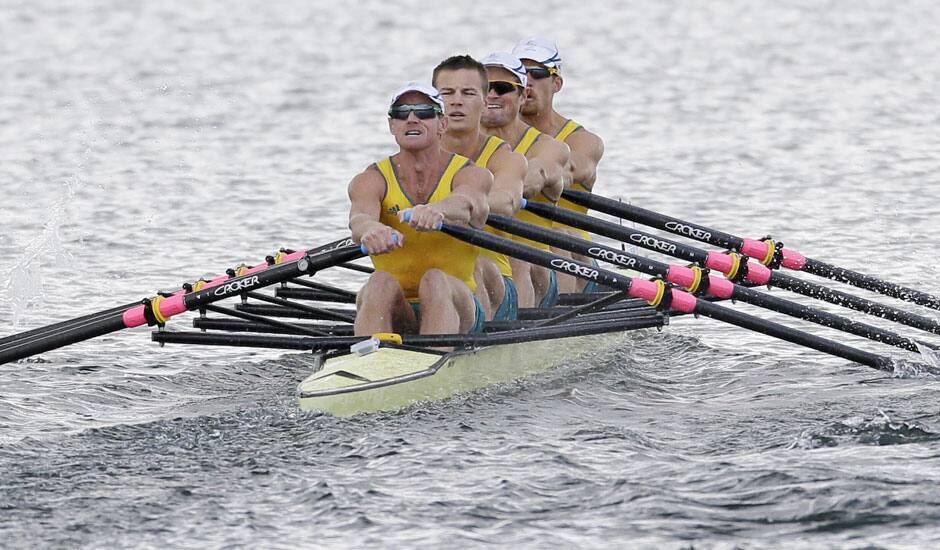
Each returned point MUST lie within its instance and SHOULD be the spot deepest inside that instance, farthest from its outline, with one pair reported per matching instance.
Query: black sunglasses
(502, 87)
(539, 73)
(423, 111)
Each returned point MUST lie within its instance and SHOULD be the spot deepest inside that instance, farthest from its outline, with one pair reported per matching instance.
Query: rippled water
(144, 144)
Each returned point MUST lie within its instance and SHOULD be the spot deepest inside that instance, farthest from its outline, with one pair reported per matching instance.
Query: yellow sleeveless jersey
(569, 128)
(422, 250)
(528, 138)
(502, 261)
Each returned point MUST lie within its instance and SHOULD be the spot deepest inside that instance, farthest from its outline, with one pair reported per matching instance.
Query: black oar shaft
(697, 255)
(624, 323)
(770, 328)
(726, 240)
(868, 282)
(64, 324)
(63, 336)
(680, 300)
(626, 259)
(71, 333)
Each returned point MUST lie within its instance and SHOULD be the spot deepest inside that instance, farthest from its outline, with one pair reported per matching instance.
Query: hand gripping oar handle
(732, 266)
(695, 280)
(160, 309)
(651, 291)
(758, 249)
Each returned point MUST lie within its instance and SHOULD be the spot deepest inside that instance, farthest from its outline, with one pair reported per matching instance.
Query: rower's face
(463, 91)
(539, 92)
(414, 133)
(501, 109)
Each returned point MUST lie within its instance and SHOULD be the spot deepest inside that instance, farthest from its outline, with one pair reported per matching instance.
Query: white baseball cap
(425, 89)
(507, 61)
(538, 49)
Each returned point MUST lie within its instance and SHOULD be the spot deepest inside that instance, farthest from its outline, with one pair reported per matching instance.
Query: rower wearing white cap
(463, 84)
(543, 68)
(544, 180)
(423, 280)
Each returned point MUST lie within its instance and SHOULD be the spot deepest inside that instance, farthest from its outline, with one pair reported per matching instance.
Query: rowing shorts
(477, 323)
(508, 309)
(551, 297)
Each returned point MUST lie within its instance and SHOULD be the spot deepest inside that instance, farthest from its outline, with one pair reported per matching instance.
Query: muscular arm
(586, 152)
(366, 191)
(548, 159)
(466, 204)
(509, 171)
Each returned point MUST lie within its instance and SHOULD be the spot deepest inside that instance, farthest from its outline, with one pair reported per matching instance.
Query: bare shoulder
(551, 148)
(472, 174)
(506, 159)
(586, 143)
(369, 181)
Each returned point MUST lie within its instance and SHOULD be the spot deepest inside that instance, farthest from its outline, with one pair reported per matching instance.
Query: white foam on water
(23, 284)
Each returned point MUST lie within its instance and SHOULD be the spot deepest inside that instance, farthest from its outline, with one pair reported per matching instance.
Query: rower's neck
(467, 143)
(548, 122)
(511, 132)
(419, 171)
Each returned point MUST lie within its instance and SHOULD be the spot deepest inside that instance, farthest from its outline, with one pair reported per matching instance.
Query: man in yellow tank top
(423, 280)
(544, 179)
(463, 84)
(543, 65)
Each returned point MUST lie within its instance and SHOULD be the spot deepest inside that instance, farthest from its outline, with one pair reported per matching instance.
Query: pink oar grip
(755, 249)
(255, 269)
(758, 273)
(295, 256)
(722, 288)
(134, 317)
(683, 301)
(172, 306)
(719, 261)
(641, 288)
(680, 275)
(793, 260)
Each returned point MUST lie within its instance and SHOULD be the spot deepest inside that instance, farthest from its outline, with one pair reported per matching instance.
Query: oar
(157, 310)
(696, 280)
(657, 293)
(94, 317)
(735, 267)
(767, 251)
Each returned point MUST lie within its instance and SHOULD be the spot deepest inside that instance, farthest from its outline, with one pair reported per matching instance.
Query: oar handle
(407, 213)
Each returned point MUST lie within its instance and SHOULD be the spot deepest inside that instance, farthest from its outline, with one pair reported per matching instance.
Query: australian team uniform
(569, 128)
(424, 250)
(551, 297)
(508, 309)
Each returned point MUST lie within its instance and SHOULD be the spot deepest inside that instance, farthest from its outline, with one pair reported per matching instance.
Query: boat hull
(392, 378)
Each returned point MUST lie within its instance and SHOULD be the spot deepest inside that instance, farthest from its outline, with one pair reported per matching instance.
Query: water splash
(880, 430)
(23, 286)
(927, 367)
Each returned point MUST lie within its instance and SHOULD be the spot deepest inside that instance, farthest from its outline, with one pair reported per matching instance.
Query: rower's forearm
(534, 182)
(554, 182)
(457, 209)
(463, 209)
(360, 224)
(504, 202)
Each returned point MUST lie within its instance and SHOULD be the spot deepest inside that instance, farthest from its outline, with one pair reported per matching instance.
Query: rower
(543, 70)
(423, 280)
(463, 84)
(544, 177)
